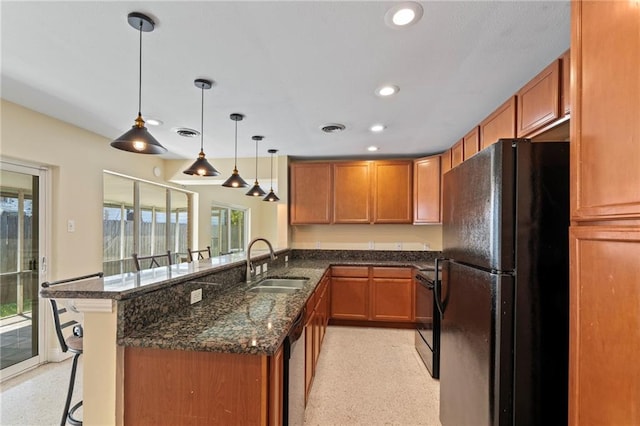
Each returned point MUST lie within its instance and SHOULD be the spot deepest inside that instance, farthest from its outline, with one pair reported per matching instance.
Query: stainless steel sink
(282, 290)
(283, 282)
(279, 285)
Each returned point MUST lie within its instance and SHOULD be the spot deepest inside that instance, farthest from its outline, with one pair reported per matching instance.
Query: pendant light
(235, 181)
(138, 139)
(256, 191)
(271, 196)
(201, 166)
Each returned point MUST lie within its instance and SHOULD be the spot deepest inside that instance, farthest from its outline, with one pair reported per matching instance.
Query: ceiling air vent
(186, 132)
(333, 128)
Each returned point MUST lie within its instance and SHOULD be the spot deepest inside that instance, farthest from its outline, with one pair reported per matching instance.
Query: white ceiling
(289, 66)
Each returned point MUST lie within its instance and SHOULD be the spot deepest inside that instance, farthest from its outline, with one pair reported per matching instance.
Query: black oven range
(427, 336)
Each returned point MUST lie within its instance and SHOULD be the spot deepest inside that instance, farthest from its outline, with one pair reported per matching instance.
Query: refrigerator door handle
(438, 286)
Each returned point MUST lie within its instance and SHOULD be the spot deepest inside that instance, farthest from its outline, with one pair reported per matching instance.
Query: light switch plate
(196, 296)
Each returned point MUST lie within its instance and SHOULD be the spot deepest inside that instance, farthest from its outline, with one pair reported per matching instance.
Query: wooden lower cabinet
(201, 388)
(315, 329)
(392, 299)
(372, 294)
(350, 297)
(604, 385)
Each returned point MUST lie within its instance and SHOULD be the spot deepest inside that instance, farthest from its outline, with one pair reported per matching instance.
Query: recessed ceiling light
(377, 128)
(154, 122)
(403, 14)
(372, 148)
(387, 90)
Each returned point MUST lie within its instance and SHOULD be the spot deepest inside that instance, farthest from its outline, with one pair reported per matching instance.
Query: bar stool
(72, 344)
(200, 254)
(153, 260)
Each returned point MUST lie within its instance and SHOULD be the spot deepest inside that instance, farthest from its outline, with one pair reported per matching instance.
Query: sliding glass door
(21, 256)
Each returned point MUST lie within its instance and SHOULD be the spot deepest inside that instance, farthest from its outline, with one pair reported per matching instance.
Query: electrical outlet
(317, 244)
(264, 268)
(371, 245)
(426, 246)
(196, 296)
(258, 269)
(398, 246)
(71, 225)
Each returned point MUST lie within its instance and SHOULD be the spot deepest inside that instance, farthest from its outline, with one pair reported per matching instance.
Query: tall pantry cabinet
(604, 376)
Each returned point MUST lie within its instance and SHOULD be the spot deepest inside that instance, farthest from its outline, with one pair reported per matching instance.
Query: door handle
(438, 286)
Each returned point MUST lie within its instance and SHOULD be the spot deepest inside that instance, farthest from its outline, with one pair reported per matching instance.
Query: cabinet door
(350, 298)
(445, 163)
(426, 190)
(352, 192)
(457, 153)
(392, 191)
(565, 65)
(471, 143)
(392, 299)
(276, 387)
(605, 128)
(311, 193)
(604, 385)
(539, 100)
(309, 367)
(500, 124)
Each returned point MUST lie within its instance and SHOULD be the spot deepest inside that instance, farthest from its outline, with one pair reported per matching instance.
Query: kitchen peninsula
(150, 352)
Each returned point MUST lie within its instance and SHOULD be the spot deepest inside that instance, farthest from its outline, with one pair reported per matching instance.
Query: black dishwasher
(293, 406)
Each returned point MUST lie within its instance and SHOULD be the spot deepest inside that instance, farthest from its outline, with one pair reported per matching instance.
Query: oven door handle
(437, 288)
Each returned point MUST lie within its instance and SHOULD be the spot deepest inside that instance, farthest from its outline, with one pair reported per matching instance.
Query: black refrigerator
(503, 293)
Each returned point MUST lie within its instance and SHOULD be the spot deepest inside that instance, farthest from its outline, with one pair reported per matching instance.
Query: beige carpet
(371, 376)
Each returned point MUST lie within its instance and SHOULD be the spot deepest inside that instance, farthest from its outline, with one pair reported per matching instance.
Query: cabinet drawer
(350, 271)
(392, 272)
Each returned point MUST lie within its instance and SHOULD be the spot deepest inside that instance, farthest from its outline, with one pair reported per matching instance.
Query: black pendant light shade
(201, 167)
(271, 196)
(235, 181)
(138, 139)
(256, 191)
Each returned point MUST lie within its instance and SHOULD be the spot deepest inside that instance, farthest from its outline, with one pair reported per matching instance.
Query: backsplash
(364, 255)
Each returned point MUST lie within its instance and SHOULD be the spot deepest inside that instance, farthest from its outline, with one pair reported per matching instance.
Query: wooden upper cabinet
(500, 124)
(565, 65)
(392, 191)
(539, 100)
(311, 193)
(426, 190)
(471, 143)
(445, 161)
(605, 118)
(457, 153)
(352, 192)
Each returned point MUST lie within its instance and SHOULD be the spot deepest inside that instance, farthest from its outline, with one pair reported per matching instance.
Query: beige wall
(359, 237)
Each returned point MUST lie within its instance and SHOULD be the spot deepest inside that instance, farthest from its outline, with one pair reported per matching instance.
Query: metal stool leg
(72, 381)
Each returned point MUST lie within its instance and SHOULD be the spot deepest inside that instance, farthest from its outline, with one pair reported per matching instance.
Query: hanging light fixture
(235, 181)
(271, 196)
(256, 191)
(138, 139)
(201, 166)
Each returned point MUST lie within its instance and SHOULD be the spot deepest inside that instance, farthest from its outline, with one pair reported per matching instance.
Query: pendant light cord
(256, 161)
(235, 160)
(271, 174)
(201, 117)
(140, 73)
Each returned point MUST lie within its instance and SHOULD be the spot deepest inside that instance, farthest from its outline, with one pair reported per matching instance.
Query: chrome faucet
(250, 268)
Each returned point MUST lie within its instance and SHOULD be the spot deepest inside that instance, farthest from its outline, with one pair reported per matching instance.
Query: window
(144, 218)
(228, 229)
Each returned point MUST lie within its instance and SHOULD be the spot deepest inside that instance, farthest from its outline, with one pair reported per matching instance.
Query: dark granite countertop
(238, 321)
(133, 284)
